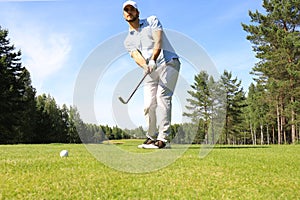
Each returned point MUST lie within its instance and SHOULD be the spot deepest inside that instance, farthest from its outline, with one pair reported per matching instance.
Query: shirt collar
(141, 24)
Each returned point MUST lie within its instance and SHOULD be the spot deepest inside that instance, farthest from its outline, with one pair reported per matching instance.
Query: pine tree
(258, 112)
(26, 129)
(76, 126)
(16, 93)
(276, 41)
(199, 105)
(51, 123)
(235, 101)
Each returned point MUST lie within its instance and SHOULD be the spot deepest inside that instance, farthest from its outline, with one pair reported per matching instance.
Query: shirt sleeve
(154, 23)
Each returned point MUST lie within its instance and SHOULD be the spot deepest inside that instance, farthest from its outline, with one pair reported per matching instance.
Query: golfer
(148, 46)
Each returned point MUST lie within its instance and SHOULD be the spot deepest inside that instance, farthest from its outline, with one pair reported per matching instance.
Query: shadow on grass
(229, 147)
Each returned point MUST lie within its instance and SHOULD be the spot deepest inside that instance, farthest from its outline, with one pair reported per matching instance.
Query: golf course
(227, 172)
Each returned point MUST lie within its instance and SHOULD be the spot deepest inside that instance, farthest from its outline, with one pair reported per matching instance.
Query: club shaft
(125, 102)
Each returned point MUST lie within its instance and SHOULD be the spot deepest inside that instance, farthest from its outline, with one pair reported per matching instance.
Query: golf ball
(64, 153)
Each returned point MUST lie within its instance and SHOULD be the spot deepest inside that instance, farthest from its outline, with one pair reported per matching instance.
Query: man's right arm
(139, 59)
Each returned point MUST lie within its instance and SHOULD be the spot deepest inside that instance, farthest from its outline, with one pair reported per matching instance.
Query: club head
(122, 100)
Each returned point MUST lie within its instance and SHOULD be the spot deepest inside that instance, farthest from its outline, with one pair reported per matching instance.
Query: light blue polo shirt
(143, 41)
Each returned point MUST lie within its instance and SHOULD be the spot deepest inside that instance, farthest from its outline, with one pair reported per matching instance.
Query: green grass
(228, 172)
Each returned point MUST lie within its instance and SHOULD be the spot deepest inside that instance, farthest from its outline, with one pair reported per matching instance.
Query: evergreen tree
(276, 41)
(26, 129)
(16, 93)
(217, 98)
(75, 126)
(235, 101)
(51, 123)
(200, 105)
(258, 112)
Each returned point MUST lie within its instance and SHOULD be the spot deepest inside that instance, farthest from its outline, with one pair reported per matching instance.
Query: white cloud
(43, 53)
(44, 50)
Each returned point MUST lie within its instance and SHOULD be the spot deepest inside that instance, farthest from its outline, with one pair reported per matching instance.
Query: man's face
(130, 13)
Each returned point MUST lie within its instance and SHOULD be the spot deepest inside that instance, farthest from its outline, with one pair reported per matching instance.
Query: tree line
(270, 113)
(267, 114)
(29, 118)
(274, 99)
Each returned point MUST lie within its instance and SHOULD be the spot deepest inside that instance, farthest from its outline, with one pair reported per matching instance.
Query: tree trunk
(254, 137)
(212, 131)
(268, 135)
(252, 134)
(273, 132)
(298, 139)
(226, 129)
(293, 121)
(284, 136)
(278, 125)
(283, 131)
(261, 135)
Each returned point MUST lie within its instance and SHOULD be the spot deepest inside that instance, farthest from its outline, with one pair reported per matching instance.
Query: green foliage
(49, 121)
(16, 93)
(27, 118)
(138, 132)
(200, 105)
(275, 37)
(210, 101)
(235, 101)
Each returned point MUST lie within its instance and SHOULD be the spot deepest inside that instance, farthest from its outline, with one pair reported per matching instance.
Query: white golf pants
(158, 91)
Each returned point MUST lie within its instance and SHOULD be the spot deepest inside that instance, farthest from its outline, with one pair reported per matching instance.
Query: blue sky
(56, 37)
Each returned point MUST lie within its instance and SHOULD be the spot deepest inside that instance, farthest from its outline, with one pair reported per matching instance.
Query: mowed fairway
(228, 172)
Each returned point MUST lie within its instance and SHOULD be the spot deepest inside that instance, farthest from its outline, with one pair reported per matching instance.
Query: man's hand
(151, 66)
(146, 69)
(142, 62)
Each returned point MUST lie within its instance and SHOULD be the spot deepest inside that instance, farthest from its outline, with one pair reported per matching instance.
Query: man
(150, 49)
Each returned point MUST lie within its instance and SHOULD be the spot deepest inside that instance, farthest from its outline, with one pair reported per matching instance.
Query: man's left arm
(157, 36)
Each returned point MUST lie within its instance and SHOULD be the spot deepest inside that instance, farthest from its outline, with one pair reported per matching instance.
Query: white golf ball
(64, 153)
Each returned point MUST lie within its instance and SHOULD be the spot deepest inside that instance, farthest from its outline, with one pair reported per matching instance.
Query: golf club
(125, 102)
